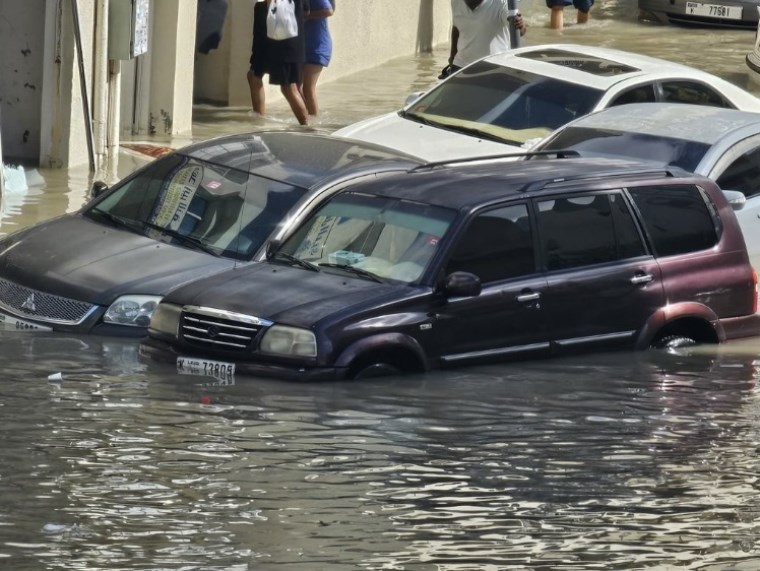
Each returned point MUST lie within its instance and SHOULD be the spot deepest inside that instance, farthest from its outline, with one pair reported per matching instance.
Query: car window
(676, 217)
(692, 92)
(199, 204)
(592, 229)
(743, 174)
(591, 141)
(638, 94)
(389, 238)
(521, 104)
(496, 245)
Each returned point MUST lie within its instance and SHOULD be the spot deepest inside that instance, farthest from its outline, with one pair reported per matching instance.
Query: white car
(511, 100)
(723, 144)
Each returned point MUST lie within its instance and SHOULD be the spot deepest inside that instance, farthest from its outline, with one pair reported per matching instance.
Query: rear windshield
(607, 142)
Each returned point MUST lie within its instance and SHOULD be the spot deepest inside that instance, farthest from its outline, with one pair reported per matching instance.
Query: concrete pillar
(173, 51)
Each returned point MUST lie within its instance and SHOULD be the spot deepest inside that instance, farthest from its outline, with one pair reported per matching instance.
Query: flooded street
(623, 461)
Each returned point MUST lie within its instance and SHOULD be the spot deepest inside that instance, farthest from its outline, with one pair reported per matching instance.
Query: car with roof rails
(195, 212)
(511, 100)
(472, 262)
(722, 144)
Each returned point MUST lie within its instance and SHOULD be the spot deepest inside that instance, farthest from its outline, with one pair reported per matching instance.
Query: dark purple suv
(474, 262)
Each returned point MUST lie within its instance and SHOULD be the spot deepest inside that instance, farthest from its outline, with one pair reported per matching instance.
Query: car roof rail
(559, 154)
(653, 173)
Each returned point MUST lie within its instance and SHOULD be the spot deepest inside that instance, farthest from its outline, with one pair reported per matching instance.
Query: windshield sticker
(314, 243)
(176, 197)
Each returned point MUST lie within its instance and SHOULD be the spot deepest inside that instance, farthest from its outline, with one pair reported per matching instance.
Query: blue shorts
(581, 5)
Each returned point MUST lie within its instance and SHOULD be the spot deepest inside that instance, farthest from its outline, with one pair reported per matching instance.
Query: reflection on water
(619, 461)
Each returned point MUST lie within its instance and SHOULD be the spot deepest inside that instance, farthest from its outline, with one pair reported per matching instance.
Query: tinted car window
(484, 93)
(676, 217)
(590, 141)
(496, 245)
(200, 204)
(743, 174)
(585, 230)
(640, 94)
(691, 92)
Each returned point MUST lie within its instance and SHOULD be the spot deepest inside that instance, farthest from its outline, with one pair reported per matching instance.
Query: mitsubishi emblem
(29, 304)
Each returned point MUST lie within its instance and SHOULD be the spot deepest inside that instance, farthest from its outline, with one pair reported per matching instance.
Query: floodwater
(625, 461)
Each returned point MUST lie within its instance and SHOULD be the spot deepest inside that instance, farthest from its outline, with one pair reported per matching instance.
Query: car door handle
(642, 279)
(528, 297)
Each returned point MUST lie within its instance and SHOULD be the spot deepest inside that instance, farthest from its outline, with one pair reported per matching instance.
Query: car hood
(78, 258)
(423, 141)
(288, 295)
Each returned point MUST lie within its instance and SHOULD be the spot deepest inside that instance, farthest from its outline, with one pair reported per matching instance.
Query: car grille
(40, 306)
(211, 328)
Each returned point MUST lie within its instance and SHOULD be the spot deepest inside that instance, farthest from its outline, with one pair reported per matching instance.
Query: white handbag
(281, 20)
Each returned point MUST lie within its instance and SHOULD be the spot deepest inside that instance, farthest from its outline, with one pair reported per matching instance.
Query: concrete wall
(366, 33)
(22, 40)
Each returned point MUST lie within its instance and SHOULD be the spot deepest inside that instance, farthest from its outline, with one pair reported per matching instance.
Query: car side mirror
(98, 188)
(736, 199)
(272, 247)
(412, 97)
(462, 284)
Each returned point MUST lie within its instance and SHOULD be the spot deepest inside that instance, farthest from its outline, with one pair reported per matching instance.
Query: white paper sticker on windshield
(177, 195)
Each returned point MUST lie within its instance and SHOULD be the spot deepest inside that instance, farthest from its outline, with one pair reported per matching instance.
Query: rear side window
(589, 229)
(692, 92)
(676, 217)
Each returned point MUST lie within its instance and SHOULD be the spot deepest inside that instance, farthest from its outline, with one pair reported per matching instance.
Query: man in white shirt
(479, 28)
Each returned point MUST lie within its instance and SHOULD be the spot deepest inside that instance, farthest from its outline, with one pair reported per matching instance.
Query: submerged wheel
(673, 342)
(376, 370)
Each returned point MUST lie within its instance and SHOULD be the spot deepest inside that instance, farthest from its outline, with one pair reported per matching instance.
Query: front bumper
(161, 352)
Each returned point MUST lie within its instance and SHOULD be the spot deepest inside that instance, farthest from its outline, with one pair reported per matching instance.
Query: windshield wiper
(184, 238)
(294, 260)
(354, 270)
(117, 221)
(483, 134)
(417, 118)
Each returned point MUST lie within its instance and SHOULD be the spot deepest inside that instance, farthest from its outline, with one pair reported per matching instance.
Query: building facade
(70, 88)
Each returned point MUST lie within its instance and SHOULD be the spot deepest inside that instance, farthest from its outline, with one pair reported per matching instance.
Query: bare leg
(258, 100)
(293, 95)
(582, 17)
(311, 73)
(557, 21)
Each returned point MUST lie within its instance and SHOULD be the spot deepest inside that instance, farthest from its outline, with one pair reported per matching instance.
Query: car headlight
(283, 340)
(132, 310)
(166, 319)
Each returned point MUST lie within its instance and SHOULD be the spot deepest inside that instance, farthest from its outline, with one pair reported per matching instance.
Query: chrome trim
(594, 338)
(207, 341)
(83, 309)
(223, 314)
(494, 352)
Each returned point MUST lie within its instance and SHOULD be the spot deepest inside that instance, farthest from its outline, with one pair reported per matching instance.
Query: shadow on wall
(425, 28)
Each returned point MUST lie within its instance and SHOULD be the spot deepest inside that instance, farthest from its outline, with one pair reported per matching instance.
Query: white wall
(22, 26)
(366, 33)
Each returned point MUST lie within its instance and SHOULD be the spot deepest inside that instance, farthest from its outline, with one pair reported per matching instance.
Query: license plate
(10, 323)
(714, 10)
(206, 368)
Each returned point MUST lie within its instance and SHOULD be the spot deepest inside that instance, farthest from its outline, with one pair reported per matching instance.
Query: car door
(738, 168)
(507, 318)
(603, 285)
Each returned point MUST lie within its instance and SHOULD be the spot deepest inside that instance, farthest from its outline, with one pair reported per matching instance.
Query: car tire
(673, 342)
(376, 370)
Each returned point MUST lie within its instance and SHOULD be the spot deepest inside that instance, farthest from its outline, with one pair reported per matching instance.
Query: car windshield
(370, 236)
(510, 105)
(612, 143)
(199, 205)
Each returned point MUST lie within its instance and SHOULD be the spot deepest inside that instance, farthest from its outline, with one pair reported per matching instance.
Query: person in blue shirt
(318, 49)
